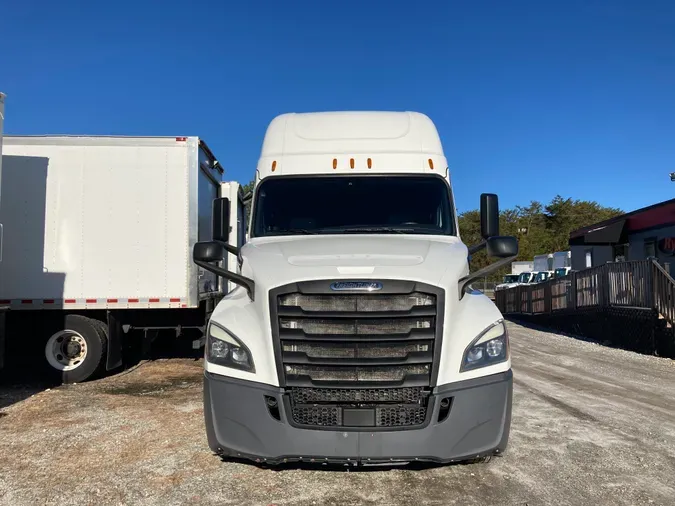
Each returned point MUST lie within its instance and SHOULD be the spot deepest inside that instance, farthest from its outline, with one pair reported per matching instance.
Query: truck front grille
(354, 359)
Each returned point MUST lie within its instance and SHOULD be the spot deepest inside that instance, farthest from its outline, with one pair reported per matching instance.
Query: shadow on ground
(26, 372)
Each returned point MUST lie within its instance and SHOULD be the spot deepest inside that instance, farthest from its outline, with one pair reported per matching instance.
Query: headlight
(222, 348)
(489, 348)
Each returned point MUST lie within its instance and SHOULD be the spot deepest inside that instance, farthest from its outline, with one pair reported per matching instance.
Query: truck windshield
(511, 278)
(525, 277)
(353, 205)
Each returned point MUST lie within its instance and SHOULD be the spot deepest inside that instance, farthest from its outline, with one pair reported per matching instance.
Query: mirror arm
(228, 247)
(477, 247)
(232, 249)
(464, 282)
(238, 279)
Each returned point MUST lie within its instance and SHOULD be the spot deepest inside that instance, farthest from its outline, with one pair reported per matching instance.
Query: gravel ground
(591, 425)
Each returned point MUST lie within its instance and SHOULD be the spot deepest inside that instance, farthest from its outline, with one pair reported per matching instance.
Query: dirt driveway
(591, 425)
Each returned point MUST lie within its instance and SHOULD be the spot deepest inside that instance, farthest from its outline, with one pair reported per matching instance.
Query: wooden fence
(636, 299)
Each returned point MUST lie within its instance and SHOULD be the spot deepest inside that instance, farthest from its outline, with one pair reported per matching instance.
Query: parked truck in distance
(354, 335)
(522, 266)
(562, 263)
(102, 231)
(543, 267)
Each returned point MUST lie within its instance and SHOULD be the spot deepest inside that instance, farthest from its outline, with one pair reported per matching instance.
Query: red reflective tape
(70, 301)
(91, 301)
(26, 301)
(133, 300)
(4, 301)
(174, 300)
(48, 301)
(183, 305)
(154, 300)
(181, 139)
(113, 301)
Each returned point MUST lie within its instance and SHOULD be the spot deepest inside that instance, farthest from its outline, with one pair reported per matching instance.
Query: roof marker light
(351, 163)
(431, 164)
(370, 163)
(334, 163)
(274, 165)
(181, 139)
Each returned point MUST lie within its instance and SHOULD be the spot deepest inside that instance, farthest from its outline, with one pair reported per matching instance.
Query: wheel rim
(66, 350)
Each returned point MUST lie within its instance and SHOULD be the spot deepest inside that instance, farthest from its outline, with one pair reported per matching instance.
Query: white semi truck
(101, 232)
(354, 335)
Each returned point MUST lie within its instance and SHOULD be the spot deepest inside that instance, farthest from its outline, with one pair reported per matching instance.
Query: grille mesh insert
(326, 416)
(357, 395)
(398, 416)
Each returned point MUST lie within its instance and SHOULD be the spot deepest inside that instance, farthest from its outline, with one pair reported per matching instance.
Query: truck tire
(78, 351)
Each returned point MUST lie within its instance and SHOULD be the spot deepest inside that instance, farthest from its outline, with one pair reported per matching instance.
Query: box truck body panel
(105, 222)
(562, 259)
(522, 266)
(543, 263)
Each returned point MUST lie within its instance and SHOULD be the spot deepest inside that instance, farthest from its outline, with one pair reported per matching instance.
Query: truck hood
(281, 260)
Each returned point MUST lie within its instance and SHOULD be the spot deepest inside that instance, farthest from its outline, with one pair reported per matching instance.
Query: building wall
(601, 254)
(636, 245)
(636, 249)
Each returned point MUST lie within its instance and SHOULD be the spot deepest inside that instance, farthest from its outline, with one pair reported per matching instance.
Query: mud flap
(115, 332)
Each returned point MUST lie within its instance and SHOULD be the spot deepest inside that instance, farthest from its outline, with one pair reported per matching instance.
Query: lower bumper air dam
(240, 424)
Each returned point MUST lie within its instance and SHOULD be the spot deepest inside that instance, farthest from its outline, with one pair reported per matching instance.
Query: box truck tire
(78, 351)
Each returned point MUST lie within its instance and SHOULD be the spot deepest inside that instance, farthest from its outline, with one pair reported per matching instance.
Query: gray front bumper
(238, 424)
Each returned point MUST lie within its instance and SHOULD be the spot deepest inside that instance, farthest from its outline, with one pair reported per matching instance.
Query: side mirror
(220, 224)
(502, 246)
(489, 215)
(208, 251)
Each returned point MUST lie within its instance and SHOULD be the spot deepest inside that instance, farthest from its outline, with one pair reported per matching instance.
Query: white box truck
(522, 266)
(562, 263)
(354, 335)
(102, 230)
(543, 267)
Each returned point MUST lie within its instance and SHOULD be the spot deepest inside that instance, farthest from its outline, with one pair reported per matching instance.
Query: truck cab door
(232, 191)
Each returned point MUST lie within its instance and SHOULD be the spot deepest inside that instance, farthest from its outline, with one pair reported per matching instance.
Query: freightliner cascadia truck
(354, 335)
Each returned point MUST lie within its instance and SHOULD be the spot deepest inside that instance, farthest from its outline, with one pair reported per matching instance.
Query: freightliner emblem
(357, 286)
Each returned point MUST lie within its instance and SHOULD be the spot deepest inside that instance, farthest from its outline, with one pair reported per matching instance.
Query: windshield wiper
(300, 231)
(357, 230)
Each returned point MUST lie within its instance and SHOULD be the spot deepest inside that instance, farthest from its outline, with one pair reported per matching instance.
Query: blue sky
(531, 98)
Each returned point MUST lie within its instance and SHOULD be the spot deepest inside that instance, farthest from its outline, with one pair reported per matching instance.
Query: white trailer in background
(3, 308)
(543, 267)
(102, 230)
(543, 262)
(562, 263)
(522, 266)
